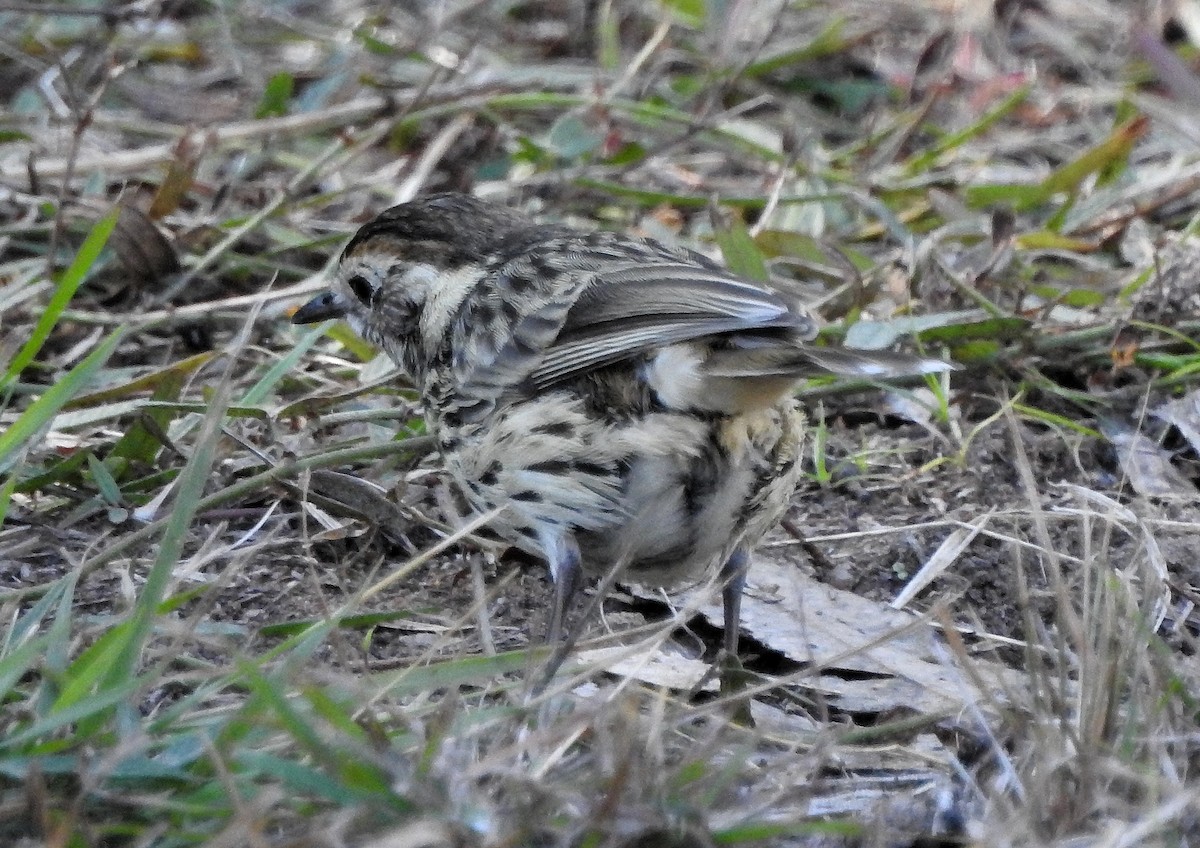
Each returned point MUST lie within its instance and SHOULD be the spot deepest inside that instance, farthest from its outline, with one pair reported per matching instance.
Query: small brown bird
(628, 404)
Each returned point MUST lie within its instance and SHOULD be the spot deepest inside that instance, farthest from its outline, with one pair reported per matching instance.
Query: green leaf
(628, 153)
(1084, 298)
(141, 442)
(570, 137)
(338, 714)
(58, 652)
(1019, 196)
(690, 13)
(999, 329)
(170, 375)
(742, 255)
(530, 151)
(372, 44)
(878, 335)
(829, 41)
(977, 350)
(109, 490)
(462, 671)
(1101, 157)
(68, 284)
(276, 96)
(1134, 285)
(608, 38)
(792, 244)
(121, 409)
(360, 349)
(1047, 240)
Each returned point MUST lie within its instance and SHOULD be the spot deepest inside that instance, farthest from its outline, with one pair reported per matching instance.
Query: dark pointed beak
(323, 306)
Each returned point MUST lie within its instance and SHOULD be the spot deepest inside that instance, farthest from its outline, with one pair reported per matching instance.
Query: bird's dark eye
(362, 288)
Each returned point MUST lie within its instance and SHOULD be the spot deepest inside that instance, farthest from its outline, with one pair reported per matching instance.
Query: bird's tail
(802, 360)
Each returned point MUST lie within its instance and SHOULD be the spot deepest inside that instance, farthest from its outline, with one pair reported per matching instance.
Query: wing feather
(796, 361)
(638, 290)
(609, 344)
(628, 310)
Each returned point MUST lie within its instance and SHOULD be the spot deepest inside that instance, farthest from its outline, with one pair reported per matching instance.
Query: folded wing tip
(892, 369)
(938, 366)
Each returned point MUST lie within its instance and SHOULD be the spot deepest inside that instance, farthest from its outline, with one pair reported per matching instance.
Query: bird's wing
(801, 360)
(602, 308)
(627, 309)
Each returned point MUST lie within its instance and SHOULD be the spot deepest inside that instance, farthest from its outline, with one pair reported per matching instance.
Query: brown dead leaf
(180, 171)
(1146, 465)
(811, 622)
(143, 251)
(1184, 414)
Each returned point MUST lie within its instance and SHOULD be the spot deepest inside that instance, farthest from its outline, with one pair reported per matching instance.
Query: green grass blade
(93, 706)
(286, 365)
(16, 663)
(921, 162)
(300, 778)
(191, 487)
(88, 671)
(58, 652)
(89, 251)
(31, 620)
(41, 411)
(6, 491)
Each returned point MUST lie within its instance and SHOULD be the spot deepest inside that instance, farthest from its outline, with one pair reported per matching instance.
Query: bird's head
(402, 277)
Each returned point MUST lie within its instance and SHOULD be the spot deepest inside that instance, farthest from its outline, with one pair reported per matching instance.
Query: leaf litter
(1003, 186)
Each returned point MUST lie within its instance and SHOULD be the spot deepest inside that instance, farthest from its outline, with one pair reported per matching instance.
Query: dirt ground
(867, 530)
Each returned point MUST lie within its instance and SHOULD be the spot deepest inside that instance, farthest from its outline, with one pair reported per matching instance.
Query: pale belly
(669, 495)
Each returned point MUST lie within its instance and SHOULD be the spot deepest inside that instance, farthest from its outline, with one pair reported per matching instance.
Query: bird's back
(553, 393)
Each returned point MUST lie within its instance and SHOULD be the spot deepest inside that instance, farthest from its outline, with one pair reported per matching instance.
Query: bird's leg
(564, 560)
(566, 568)
(562, 555)
(729, 667)
(733, 582)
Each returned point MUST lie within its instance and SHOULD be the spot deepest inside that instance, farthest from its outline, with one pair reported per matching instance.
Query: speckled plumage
(625, 402)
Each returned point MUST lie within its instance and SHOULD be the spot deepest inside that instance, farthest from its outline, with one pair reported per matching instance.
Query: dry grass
(241, 607)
